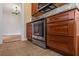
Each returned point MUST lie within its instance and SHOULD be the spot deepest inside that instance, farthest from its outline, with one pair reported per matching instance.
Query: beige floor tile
(24, 48)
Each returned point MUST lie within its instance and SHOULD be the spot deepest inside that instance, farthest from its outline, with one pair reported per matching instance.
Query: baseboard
(11, 34)
(23, 39)
(10, 38)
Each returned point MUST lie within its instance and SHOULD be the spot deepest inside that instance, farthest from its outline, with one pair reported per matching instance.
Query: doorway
(11, 23)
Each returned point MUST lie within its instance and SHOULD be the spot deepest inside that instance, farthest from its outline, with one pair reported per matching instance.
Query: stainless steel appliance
(39, 32)
(45, 7)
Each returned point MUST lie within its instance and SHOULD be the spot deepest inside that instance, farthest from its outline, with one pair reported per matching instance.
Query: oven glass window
(38, 28)
(41, 29)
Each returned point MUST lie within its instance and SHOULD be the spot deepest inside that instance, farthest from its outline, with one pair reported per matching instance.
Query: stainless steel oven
(39, 32)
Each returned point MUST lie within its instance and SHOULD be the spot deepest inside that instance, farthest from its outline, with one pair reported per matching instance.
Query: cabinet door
(35, 11)
(34, 8)
(63, 43)
(29, 31)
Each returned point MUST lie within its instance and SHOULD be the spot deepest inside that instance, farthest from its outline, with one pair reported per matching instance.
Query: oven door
(38, 28)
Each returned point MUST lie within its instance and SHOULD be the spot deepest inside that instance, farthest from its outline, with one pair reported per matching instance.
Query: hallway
(24, 48)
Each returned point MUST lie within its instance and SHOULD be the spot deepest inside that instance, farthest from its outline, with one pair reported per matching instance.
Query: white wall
(23, 32)
(1, 24)
(11, 22)
(27, 15)
(27, 12)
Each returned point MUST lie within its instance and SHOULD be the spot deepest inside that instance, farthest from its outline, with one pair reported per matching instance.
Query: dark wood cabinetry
(34, 8)
(63, 32)
(29, 31)
(35, 12)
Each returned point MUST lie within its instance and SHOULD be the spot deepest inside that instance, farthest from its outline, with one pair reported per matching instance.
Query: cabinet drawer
(58, 30)
(62, 43)
(65, 28)
(61, 17)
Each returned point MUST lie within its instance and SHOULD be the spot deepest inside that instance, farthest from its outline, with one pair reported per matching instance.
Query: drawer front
(58, 29)
(61, 17)
(65, 28)
(65, 44)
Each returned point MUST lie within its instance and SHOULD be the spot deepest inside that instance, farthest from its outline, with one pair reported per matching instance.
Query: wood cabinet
(35, 11)
(34, 8)
(63, 32)
(29, 31)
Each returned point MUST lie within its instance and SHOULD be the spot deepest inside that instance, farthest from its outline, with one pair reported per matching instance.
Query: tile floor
(24, 48)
